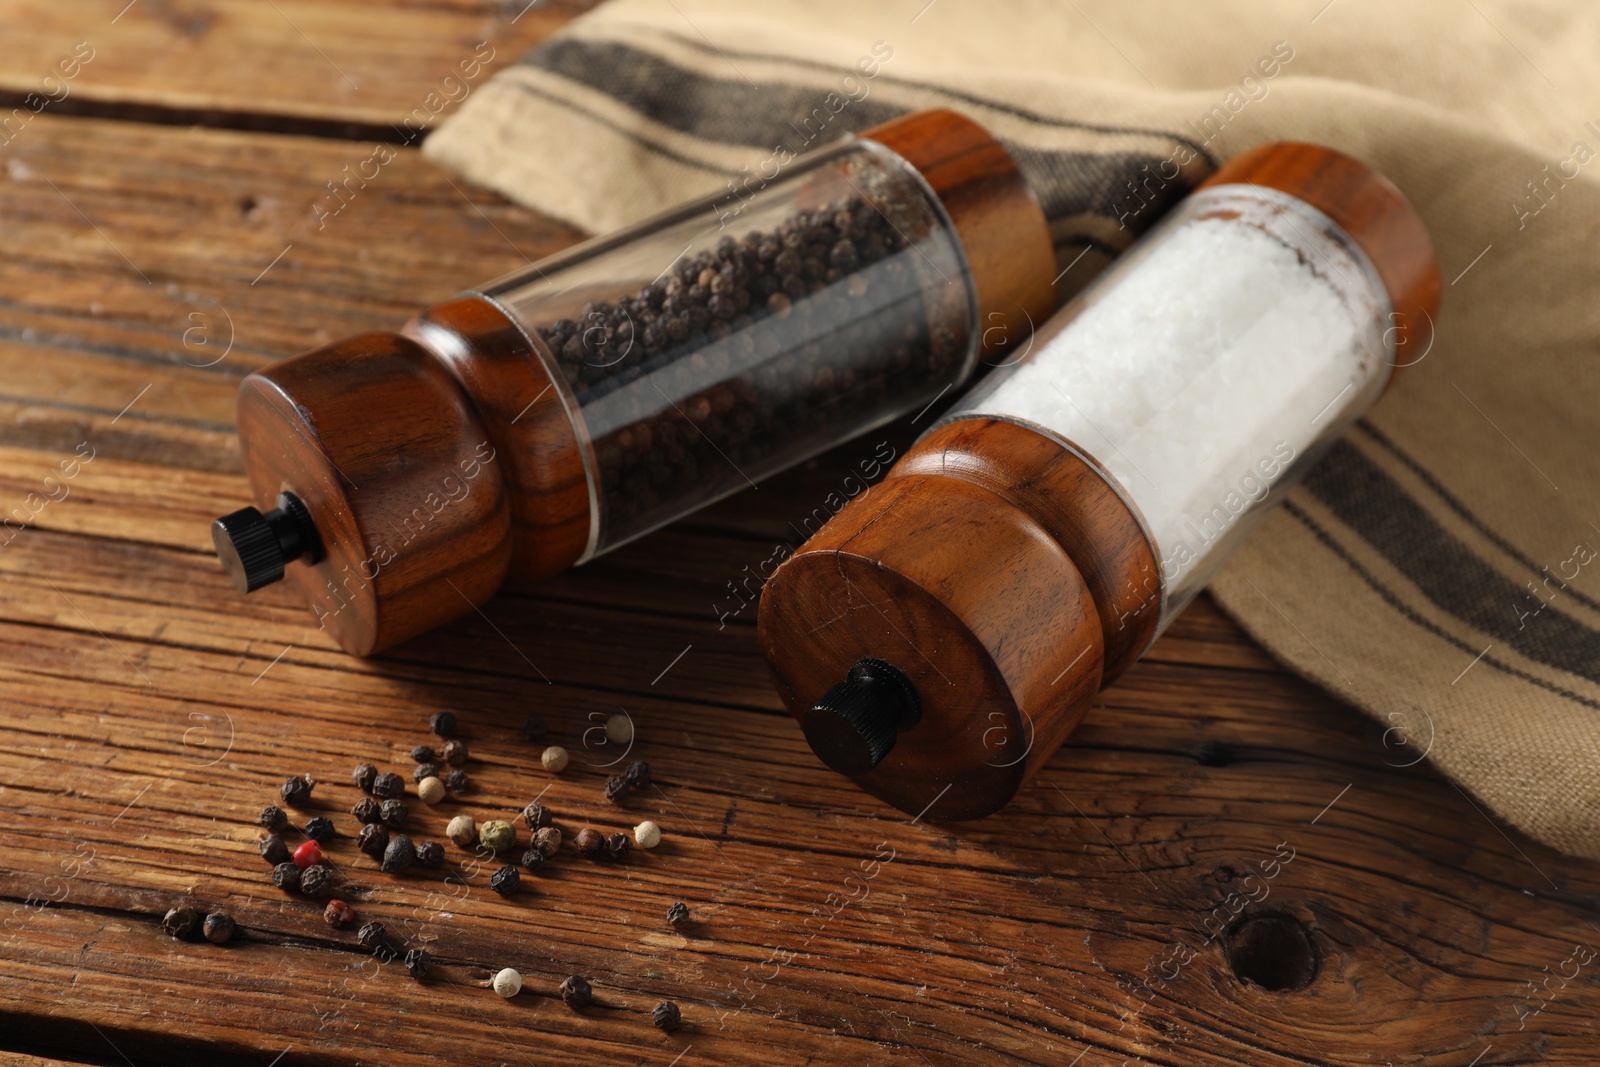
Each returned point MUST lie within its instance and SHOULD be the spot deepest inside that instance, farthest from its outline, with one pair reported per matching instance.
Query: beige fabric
(1404, 575)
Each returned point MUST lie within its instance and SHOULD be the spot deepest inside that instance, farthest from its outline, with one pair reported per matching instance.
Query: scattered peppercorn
(296, 791)
(618, 846)
(372, 936)
(508, 983)
(422, 754)
(619, 728)
(388, 786)
(182, 922)
(497, 835)
(317, 881)
(462, 831)
(363, 776)
(536, 816)
(394, 813)
(286, 876)
(533, 728)
(398, 855)
(424, 770)
(430, 854)
(373, 839)
(454, 753)
(554, 759)
(547, 840)
(589, 842)
(637, 774)
(577, 992)
(457, 781)
(319, 828)
(219, 928)
(309, 854)
(666, 1016)
(533, 859)
(338, 914)
(418, 962)
(678, 915)
(647, 834)
(616, 789)
(273, 818)
(366, 810)
(443, 723)
(429, 791)
(273, 850)
(505, 880)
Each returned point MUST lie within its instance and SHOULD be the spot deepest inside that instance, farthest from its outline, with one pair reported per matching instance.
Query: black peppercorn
(319, 828)
(218, 928)
(430, 854)
(273, 818)
(457, 781)
(372, 936)
(533, 727)
(616, 789)
(373, 839)
(418, 962)
(183, 922)
(666, 1016)
(678, 915)
(296, 791)
(394, 813)
(317, 881)
(443, 723)
(589, 842)
(422, 754)
(577, 992)
(618, 845)
(536, 816)
(533, 859)
(363, 776)
(273, 850)
(637, 774)
(454, 753)
(424, 770)
(366, 810)
(504, 881)
(388, 786)
(286, 876)
(398, 854)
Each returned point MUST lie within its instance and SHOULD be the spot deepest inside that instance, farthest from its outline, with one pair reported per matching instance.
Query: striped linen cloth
(1439, 568)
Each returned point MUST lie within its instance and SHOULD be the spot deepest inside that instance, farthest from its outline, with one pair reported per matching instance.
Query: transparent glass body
(1207, 370)
(703, 350)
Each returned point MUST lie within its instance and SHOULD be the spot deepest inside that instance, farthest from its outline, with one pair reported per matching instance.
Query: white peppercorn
(647, 834)
(430, 790)
(554, 759)
(462, 831)
(508, 983)
(619, 729)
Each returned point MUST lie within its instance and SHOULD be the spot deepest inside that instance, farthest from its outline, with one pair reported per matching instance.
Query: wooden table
(1214, 817)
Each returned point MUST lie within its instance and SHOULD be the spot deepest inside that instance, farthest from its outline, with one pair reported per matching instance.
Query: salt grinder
(940, 637)
(573, 405)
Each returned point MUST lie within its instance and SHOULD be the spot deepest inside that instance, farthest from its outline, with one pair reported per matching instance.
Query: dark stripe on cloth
(1448, 573)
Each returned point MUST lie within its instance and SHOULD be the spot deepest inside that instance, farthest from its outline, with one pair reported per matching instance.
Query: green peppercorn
(577, 992)
(678, 915)
(616, 789)
(422, 754)
(418, 962)
(536, 816)
(367, 810)
(286, 876)
(398, 855)
(637, 774)
(454, 753)
(533, 859)
(182, 922)
(430, 854)
(363, 776)
(666, 1016)
(589, 842)
(273, 818)
(373, 839)
(273, 850)
(534, 729)
(443, 723)
(497, 835)
(394, 813)
(457, 781)
(317, 881)
(319, 828)
(618, 846)
(218, 928)
(504, 881)
(296, 792)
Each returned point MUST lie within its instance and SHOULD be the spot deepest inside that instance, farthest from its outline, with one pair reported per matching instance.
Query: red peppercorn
(309, 854)
(338, 913)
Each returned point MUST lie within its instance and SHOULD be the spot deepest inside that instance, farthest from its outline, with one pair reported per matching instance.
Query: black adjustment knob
(254, 547)
(854, 725)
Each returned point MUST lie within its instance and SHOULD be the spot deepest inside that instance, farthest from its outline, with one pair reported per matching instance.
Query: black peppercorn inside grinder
(587, 399)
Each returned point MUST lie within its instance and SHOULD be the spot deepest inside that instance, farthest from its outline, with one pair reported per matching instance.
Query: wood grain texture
(151, 712)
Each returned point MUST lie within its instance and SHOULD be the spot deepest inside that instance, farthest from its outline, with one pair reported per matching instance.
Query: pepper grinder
(580, 402)
(940, 637)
